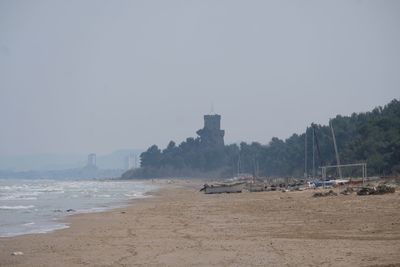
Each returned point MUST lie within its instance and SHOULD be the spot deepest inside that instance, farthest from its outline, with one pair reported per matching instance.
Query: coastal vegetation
(372, 137)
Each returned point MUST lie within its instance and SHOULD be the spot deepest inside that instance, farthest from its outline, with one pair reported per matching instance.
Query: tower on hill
(211, 134)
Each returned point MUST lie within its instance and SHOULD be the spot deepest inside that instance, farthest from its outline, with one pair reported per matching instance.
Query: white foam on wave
(17, 196)
(19, 207)
(51, 189)
(103, 196)
(40, 230)
(47, 196)
(135, 195)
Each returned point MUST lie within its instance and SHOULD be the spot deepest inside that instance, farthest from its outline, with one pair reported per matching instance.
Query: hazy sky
(95, 76)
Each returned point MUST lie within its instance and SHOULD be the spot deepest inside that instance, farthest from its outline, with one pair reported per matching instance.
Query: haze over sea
(38, 206)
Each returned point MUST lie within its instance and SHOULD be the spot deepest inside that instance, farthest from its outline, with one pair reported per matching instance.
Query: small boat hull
(223, 188)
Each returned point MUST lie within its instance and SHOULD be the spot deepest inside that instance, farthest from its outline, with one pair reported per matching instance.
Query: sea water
(38, 206)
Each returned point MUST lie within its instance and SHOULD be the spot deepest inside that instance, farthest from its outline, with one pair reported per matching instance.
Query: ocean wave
(30, 205)
(51, 190)
(18, 197)
(27, 229)
(104, 196)
(135, 195)
(20, 207)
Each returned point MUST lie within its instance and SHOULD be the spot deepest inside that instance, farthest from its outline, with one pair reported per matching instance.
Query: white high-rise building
(130, 161)
(91, 160)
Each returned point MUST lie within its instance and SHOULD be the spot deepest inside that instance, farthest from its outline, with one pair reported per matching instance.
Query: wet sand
(180, 226)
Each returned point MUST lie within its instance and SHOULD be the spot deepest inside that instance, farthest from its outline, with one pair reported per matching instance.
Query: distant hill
(372, 137)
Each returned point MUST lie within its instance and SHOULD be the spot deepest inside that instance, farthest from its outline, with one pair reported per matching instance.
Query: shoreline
(61, 220)
(65, 220)
(180, 226)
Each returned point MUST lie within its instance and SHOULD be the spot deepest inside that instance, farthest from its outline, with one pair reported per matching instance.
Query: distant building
(91, 162)
(130, 161)
(211, 134)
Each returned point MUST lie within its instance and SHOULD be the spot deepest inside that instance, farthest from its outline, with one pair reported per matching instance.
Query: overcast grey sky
(95, 76)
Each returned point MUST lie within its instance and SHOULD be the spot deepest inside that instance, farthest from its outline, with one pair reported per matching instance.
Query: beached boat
(223, 188)
(256, 187)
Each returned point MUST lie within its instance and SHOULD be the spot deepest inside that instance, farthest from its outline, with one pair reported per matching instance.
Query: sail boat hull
(223, 188)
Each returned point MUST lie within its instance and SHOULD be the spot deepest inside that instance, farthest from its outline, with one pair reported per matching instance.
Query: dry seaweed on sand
(347, 191)
(379, 190)
(325, 194)
(384, 189)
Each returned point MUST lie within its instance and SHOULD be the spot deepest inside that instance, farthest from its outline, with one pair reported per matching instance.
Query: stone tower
(212, 135)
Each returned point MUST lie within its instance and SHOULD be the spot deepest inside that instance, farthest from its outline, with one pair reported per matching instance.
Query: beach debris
(223, 188)
(366, 191)
(384, 189)
(17, 253)
(70, 210)
(57, 210)
(379, 190)
(325, 194)
(347, 191)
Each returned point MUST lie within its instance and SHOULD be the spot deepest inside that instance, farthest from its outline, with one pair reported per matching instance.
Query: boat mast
(305, 154)
(238, 165)
(313, 153)
(336, 152)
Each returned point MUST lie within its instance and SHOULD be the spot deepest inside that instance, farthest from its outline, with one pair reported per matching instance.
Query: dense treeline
(372, 137)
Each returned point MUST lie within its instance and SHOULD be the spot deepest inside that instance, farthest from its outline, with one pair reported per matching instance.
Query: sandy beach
(180, 226)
